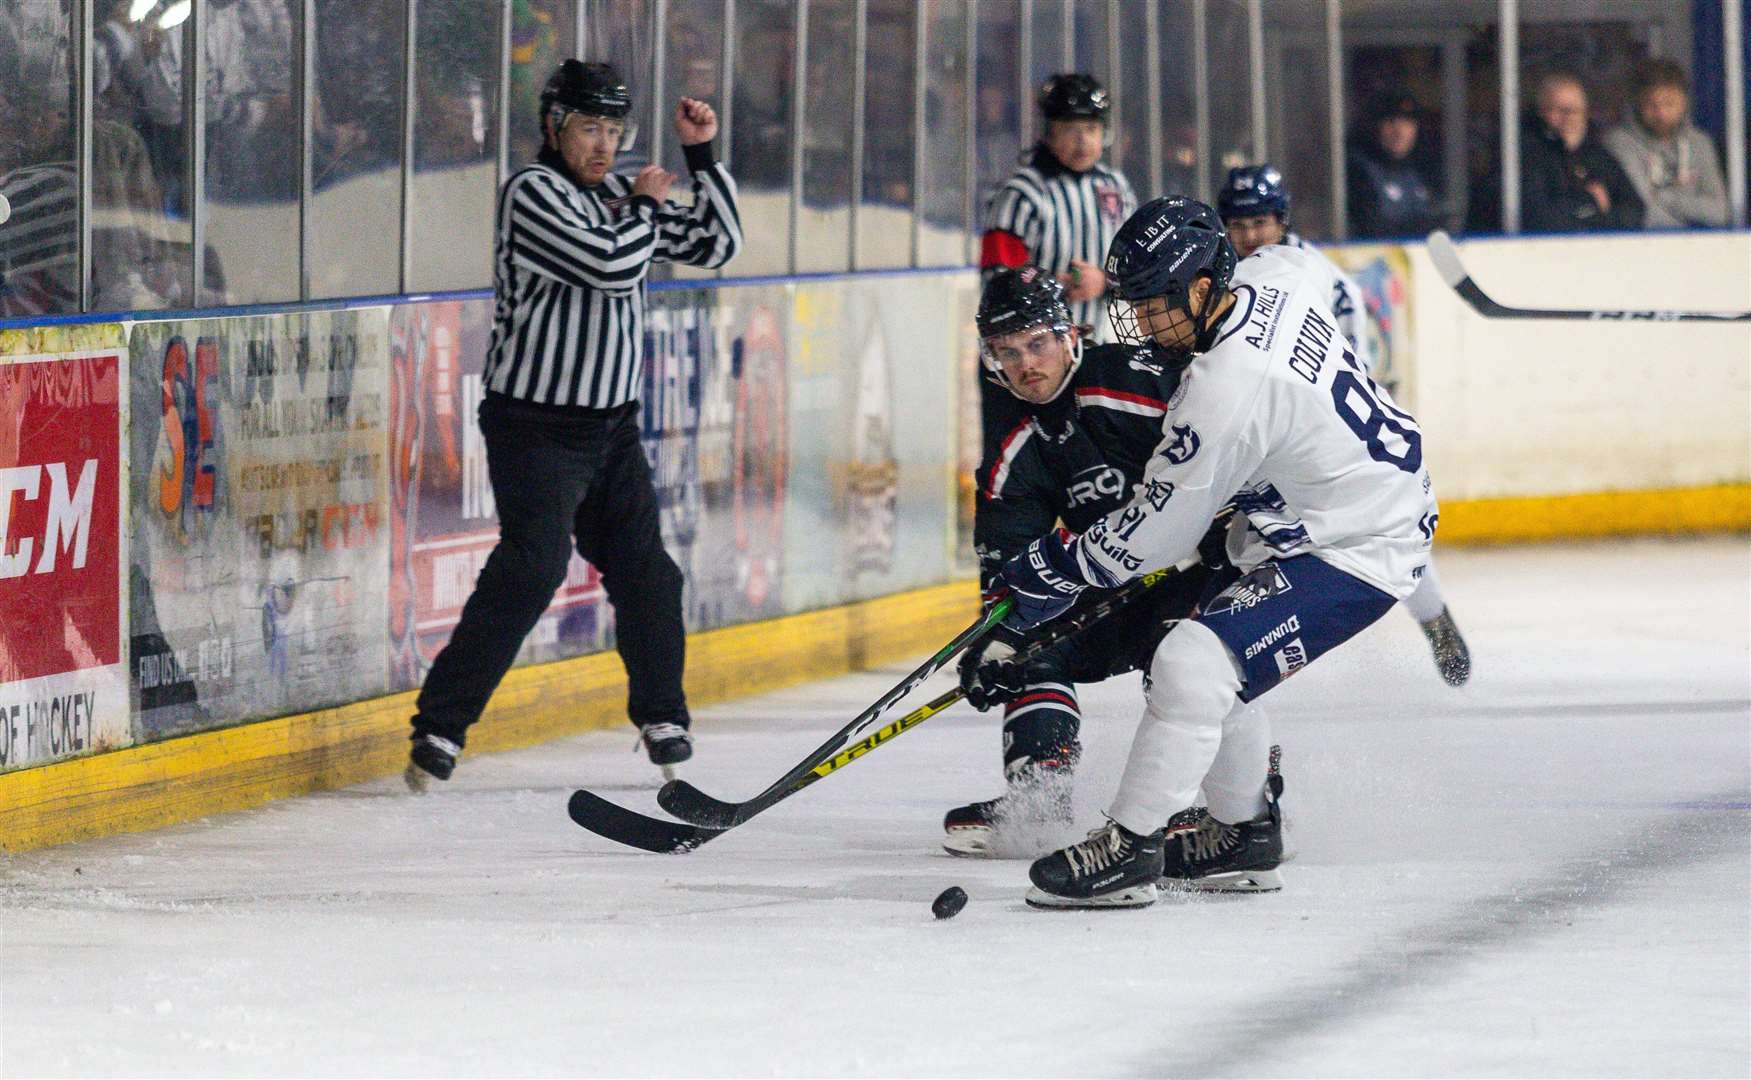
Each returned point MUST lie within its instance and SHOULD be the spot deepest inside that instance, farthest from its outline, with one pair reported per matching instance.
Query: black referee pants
(560, 479)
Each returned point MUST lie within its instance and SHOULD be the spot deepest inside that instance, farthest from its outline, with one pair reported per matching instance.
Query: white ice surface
(1545, 874)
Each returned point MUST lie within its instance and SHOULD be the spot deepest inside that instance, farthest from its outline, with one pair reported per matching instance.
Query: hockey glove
(1043, 580)
(989, 674)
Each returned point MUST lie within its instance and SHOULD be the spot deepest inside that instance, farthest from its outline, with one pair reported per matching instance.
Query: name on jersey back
(1311, 343)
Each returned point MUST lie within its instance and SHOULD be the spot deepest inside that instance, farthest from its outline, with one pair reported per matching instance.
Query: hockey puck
(949, 903)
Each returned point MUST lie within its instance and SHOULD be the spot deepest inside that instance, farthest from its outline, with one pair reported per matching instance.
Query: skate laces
(441, 743)
(1209, 840)
(656, 733)
(1104, 847)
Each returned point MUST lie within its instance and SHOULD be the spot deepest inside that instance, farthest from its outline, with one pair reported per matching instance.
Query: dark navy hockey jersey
(1073, 460)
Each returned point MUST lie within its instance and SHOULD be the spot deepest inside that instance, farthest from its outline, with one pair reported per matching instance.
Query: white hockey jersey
(1279, 417)
(1347, 303)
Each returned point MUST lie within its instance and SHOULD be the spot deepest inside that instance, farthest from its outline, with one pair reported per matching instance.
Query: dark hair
(1658, 71)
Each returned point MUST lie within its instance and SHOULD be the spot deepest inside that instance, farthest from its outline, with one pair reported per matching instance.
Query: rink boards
(264, 526)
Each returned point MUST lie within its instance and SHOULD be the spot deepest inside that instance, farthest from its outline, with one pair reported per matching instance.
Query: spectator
(1670, 161)
(1387, 193)
(1569, 182)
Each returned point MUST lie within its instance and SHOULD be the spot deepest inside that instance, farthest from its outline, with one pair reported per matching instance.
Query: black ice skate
(668, 746)
(1213, 856)
(1193, 816)
(1038, 800)
(1113, 868)
(433, 757)
(1451, 656)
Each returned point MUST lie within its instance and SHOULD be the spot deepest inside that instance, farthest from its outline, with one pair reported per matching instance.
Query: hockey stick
(653, 834)
(713, 817)
(1446, 259)
(688, 803)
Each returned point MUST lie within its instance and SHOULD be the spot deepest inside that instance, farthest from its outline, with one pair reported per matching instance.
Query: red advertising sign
(60, 457)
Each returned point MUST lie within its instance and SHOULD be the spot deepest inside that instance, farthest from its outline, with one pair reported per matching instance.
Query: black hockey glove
(990, 674)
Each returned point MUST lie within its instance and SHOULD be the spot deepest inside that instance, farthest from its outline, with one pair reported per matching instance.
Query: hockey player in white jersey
(1254, 204)
(1276, 415)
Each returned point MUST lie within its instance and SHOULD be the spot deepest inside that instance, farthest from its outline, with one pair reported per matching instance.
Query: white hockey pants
(1195, 733)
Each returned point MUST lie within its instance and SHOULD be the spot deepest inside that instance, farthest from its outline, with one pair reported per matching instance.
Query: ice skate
(1038, 800)
(1213, 856)
(433, 757)
(1452, 658)
(1113, 868)
(668, 746)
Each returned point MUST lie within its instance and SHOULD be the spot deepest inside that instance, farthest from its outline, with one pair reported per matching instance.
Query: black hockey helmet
(1253, 190)
(591, 89)
(1025, 298)
(1074, 96)
(1159, 252)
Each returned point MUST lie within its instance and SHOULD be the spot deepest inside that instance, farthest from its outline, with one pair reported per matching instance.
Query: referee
(560, 416)
(1061, 208)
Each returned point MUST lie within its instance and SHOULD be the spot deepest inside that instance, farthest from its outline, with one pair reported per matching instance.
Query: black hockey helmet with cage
(1017, 299)
(1253, 191)
(1074, 96)
(588, 89)
(1159, 252)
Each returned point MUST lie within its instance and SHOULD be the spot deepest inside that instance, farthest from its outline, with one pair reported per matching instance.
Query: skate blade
(1238, 881)
(1137, 896)
(671, 772)
(968, 843)
(417, 779)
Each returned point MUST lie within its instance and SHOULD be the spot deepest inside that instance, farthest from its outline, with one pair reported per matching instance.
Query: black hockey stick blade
(799, 775)
(623, 826)
(1446, 259)
(690, 804)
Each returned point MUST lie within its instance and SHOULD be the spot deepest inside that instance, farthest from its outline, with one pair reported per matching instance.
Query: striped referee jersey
(1047, 215)
(39, 243)
(569, 276)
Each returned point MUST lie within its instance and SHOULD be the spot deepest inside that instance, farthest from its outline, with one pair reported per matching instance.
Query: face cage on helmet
(994, 368)
(628, 133)
(1128, 326)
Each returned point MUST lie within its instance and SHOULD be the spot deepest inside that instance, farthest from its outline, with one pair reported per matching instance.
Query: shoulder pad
(1132, 368)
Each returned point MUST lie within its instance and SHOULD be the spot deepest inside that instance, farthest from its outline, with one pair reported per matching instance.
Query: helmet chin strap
(1203, 327)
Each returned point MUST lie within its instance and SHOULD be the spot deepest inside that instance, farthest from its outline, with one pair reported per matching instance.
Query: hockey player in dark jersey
(1067, 443)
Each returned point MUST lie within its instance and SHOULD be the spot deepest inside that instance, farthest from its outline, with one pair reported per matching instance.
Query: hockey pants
(558, 480)
(1199, 725)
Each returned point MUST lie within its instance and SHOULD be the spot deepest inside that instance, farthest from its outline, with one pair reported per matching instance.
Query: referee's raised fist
(695, 122)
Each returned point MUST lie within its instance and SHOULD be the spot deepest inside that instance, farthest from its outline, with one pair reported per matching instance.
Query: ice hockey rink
(1547, 873)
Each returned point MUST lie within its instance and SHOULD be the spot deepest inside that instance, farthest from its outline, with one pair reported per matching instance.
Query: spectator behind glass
(1388, 195)
(1670, 161)
(1569, 182)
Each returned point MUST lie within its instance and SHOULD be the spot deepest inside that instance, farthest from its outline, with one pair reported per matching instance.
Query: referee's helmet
(589, 89)
(1074, 96)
